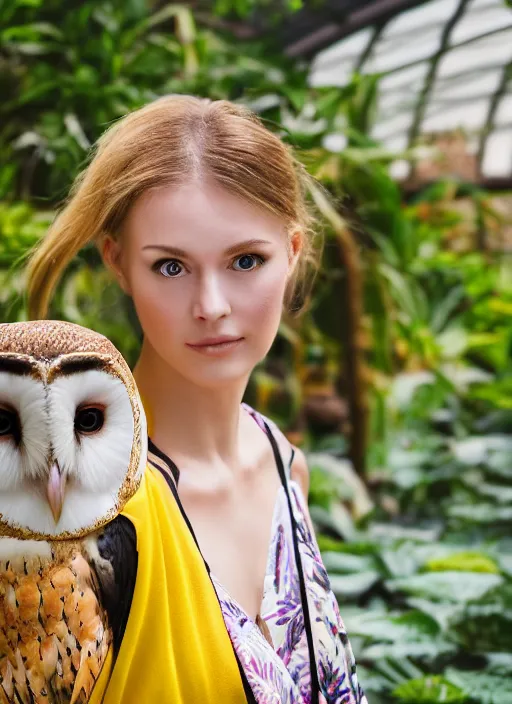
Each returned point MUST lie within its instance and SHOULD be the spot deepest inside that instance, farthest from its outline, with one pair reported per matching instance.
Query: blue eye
(171, 268)
(247, 262)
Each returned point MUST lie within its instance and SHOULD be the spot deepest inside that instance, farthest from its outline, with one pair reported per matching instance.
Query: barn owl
(73, 446)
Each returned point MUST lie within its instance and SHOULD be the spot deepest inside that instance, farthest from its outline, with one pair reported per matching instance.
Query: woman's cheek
(270, 293)
(156, 308)
(263, 307)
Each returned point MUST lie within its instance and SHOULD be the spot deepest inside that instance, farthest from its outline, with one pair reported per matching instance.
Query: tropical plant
(423, 573)
(401, 365)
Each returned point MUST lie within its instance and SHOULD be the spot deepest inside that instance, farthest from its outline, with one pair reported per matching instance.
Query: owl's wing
(53, 629)
(115, 564)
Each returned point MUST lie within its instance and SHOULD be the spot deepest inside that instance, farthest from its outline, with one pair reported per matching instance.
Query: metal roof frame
(322, 26)
(312, 31)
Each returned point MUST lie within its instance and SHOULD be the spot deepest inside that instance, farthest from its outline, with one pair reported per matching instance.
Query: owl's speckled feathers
(54, 636)
(49, 339)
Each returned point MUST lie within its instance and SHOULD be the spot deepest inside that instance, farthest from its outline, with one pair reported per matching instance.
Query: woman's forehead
(199, 213)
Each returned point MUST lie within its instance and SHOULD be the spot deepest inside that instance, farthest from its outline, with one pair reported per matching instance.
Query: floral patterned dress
(298, 647)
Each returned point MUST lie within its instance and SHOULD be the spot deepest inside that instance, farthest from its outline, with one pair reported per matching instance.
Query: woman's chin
(219, 373)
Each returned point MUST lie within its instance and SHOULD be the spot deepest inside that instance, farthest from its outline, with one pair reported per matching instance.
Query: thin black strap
(315, 685)
(154, 450)
(249, 694)
(172, 487)
(292, 457)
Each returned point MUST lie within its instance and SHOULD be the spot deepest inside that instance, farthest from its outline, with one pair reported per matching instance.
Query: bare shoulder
(299, 467)
(299, 471)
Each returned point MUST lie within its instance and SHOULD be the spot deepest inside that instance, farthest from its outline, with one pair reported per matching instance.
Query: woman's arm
(299, 472)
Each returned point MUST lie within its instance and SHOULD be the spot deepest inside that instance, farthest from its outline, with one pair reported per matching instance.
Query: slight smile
(215, 345)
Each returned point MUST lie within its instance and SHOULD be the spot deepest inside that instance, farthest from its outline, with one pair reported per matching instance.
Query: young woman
(199, 211)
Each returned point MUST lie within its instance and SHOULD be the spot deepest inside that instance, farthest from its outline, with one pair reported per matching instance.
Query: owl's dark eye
(89, 420)
(9, 424)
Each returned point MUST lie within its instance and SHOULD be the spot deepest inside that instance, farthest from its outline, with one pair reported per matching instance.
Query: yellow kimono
(176, 649)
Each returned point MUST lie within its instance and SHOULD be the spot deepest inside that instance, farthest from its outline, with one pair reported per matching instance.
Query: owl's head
(73, 439)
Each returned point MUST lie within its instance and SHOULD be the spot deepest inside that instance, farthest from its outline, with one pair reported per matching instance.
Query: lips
(216, 346)
(214, 341)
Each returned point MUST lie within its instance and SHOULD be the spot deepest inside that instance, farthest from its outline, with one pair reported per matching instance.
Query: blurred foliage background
(397, 381)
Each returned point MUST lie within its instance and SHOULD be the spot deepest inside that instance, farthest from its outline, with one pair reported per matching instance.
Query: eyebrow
(82, 364)
(177, 252)
(14, 365)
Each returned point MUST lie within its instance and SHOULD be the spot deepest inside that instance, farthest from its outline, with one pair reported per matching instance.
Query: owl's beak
(55, 490)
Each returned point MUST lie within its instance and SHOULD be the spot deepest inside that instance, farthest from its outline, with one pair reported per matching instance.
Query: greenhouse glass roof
(445, 64)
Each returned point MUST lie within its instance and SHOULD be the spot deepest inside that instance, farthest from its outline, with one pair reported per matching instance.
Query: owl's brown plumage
(72, 452)
(48, 339)
(54, 632)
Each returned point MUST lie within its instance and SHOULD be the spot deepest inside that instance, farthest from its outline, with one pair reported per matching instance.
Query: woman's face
(207, 272)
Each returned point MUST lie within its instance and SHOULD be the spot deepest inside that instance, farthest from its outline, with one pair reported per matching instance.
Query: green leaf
(351, 486)
(402, 290)
(29, 48)
(505, 562)
(353, 585)
(453, 341)
(482, 687)
(429, 649)
(481, 513)
(396, 671)
(478, 449)
(404, 386)
(383, 626)
(337, 562)
(447, 586)
(432, 689)
(337, 520)
(184, 19)
(446, 308)
(31, 32)
(444, 614)
(325, 543)
(499, 663)
(388, 531)
(464, 562)
(402, 561)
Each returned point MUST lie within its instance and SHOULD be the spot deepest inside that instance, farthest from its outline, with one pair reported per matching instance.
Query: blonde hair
(164, 143)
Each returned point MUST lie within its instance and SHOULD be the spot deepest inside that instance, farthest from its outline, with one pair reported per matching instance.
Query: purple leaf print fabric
(266, 673)
(275, 658)
(333, 654)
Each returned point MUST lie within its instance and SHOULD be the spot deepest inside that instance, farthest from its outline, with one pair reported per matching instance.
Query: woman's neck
(187, 420)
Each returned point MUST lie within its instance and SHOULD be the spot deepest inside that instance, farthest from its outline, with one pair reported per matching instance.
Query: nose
(211, 302)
